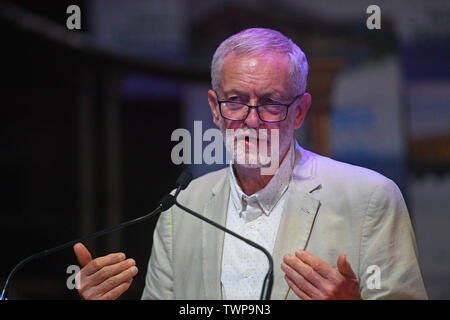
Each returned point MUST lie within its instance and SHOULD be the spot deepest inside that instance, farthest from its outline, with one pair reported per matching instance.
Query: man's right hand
(104, 278)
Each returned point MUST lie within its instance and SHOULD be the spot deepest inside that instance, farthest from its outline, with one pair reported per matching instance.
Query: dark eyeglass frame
(219, 102)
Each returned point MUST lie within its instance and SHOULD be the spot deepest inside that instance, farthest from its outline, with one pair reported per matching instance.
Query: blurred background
(86, 116)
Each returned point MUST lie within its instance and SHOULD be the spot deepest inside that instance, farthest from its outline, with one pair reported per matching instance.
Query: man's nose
(253, 120)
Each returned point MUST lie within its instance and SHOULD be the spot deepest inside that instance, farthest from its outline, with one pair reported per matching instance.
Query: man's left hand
(313, 279)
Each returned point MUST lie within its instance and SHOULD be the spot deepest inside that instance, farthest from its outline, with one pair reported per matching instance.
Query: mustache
(252, 135)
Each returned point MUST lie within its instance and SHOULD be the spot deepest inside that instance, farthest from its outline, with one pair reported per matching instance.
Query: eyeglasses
(238, 111)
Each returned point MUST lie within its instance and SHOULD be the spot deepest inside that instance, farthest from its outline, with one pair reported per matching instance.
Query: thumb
(82, 253)
(344, 267)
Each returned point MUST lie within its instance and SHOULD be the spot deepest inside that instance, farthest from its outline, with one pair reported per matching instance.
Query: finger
(296, 290)
(300, 282)
(97, 291)
(307, 272)
(82, 253)
(344, 267)
(101, 262)
(117, 291)
(320, 266)
(115, 281)
(110, 271)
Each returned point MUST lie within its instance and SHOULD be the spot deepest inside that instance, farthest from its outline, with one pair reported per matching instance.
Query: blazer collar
(299, 214)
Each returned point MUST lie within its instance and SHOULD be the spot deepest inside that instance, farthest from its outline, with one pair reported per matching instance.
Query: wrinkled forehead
(264, 58)
(268, 71)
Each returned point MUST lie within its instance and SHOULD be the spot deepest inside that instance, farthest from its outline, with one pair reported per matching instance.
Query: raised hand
(103, 278)
(313, 279)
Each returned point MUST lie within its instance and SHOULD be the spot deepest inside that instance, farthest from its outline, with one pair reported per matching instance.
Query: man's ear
(302, 109)
(212, 100)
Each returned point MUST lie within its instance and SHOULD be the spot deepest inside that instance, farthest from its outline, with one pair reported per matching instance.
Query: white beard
(265, 152)
(245, 154)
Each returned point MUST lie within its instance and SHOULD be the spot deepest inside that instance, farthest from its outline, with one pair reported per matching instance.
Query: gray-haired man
(326, 223)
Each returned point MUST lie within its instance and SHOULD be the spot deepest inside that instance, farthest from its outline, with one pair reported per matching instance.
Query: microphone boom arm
(167, 202)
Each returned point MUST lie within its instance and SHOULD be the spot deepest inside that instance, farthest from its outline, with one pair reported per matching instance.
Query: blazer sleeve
(388, 248)
(159, 278)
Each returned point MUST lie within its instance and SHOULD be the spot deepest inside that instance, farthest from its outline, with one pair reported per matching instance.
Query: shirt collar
(268, 197)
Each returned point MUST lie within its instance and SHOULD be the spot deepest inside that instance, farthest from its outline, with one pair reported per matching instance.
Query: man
(335, 231)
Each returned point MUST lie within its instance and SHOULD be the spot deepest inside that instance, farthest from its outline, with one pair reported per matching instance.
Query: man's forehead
(270, 71)
(255, 59)
(271, 93)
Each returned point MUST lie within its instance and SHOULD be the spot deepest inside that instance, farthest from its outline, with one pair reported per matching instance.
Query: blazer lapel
(216, 210)
(297, 221)
(293, 234)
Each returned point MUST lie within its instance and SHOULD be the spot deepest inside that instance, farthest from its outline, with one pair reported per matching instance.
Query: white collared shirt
(257, 218)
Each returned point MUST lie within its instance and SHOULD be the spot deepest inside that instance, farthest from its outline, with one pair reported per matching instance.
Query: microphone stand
(167, 202)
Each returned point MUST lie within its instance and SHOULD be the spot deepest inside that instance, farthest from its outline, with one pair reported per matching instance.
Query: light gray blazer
(331, 208)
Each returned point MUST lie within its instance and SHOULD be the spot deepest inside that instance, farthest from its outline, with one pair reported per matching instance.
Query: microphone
(266, 291)
(165, 203)
(182, 182)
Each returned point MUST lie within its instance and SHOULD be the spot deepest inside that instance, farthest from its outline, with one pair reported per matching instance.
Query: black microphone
(182, 182)
(266, 290)
(165, 203)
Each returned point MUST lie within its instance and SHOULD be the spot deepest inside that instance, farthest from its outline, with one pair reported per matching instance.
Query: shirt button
(246, 274)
